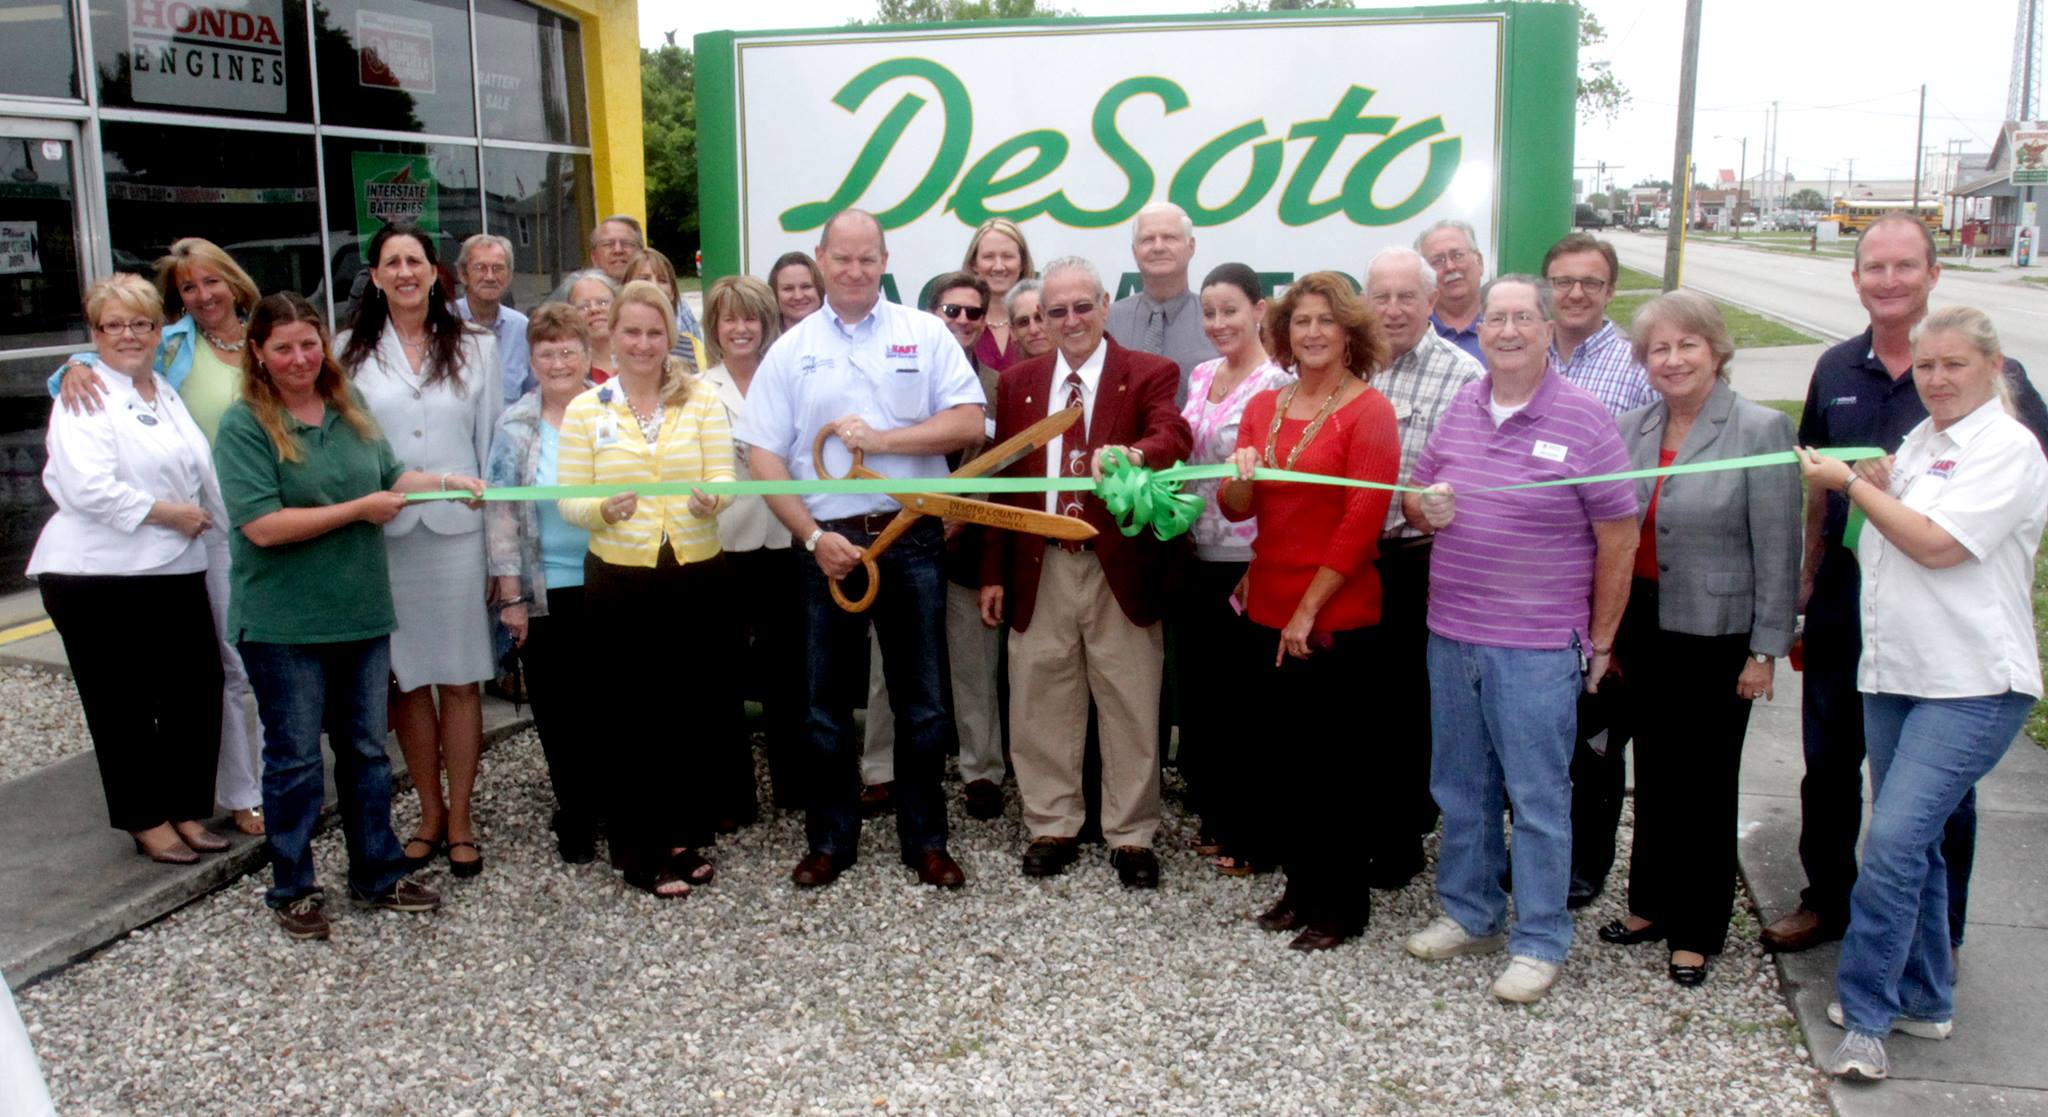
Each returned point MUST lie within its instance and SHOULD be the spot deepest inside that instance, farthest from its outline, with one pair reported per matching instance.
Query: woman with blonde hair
(308, 479)
(653, 265)
(997, 253)
(200, 357)
(655, 593)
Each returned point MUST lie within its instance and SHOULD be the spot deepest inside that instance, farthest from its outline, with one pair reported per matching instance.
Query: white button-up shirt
(106, 470)
(1056, 450)
(894, 368)
(1966, 631)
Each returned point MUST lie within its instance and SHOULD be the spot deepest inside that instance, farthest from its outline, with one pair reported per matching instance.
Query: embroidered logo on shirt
(1942, 468)
(1548, 451)
(903, 352)
(1842, 401)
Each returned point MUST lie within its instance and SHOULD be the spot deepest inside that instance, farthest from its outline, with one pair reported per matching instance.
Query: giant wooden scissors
(1003, 516)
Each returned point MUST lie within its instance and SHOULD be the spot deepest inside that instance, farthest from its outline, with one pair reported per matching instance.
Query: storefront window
(540, 201)
(37, 58)
(249, 192)
(372, 183)
(396, 65)
(529, 73)
(220, 57)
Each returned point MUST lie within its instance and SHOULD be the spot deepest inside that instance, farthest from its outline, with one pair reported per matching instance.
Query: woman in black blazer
(1710, 611)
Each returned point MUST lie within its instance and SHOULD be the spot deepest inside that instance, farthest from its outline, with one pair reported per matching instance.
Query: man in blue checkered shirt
(1587, 349)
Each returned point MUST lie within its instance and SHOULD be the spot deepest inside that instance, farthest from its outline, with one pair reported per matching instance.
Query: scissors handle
(860, 605)
(818, 456)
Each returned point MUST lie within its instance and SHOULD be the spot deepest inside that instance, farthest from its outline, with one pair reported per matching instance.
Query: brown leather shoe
(816, 870)
(1283, 916)
(877, 798)
(1136, 866)
(302, 919)
(1797, 930)
(1048, 856)
(984, 800)
(936, 868)
(1320, 934)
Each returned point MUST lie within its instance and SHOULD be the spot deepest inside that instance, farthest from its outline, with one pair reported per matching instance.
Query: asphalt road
(1816, 294)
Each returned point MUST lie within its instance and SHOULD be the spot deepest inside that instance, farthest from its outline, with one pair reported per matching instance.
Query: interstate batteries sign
(1294, 143)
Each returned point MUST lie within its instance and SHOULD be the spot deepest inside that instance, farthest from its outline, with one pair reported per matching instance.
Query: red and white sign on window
(395, 52)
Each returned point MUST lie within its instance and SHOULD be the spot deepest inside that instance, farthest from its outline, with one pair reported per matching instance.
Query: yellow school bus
(1855, 214)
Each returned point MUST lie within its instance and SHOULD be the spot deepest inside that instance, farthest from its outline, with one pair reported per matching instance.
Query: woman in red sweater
(1313, 598)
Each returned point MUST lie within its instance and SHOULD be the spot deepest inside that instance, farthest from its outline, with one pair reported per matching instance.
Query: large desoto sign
(1294, 143)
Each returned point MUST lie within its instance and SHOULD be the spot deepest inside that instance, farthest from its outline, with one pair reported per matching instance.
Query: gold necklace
(1280, 407)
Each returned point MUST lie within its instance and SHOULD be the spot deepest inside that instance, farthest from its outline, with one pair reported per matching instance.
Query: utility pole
(1919, 151)
(1681, 173)
(1849, 184)
(1831, 186)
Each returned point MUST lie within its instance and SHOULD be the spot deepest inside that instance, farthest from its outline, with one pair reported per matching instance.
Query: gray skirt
(444, 629)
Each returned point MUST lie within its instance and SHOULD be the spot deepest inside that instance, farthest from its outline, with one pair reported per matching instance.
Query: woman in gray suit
(1711, 609)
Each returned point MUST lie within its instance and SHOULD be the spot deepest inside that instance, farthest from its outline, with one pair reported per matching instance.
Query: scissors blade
(1003, 516)
(1017, 446)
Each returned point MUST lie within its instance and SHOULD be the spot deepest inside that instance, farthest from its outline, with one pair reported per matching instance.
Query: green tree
(950, 11)
(668, 112)
(1599, 201)
(1808, 198)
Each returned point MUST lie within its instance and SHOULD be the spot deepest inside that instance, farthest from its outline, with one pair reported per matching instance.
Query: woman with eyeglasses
(122, 564)
(593, 293)
(430, 380)
(998, 254)
(1027, 320)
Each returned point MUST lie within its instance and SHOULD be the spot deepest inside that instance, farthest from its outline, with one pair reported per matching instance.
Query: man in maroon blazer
(1084, 617)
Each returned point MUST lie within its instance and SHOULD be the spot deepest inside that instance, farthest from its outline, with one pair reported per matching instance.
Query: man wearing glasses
(485, 266)
(1593, 353)
(1451, 249)
(1085, 616)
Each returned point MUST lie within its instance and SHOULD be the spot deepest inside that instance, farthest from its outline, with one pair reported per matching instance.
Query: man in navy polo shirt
(1862, 394)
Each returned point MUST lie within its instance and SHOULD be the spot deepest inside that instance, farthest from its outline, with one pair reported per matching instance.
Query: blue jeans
(300, 690)
(1503, 722)
(909, 616)
(1926, 754)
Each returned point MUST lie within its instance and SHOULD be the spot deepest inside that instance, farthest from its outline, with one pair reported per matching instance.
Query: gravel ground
(551, 989)
(40, 720)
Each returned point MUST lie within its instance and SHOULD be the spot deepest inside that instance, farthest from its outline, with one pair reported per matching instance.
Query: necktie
(1074, 446)
(1155, 331)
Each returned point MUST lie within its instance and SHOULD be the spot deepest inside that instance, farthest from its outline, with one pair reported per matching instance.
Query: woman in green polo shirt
(307, 481)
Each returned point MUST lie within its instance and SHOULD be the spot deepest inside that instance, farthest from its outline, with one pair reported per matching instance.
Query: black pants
(1600, 780)
(767, 592)
(146, 662)
(1831, 728)
(660, 706)
(1689, 734)
(1200, 627)
(1304, 759)
(1404, 811)
(562, 670)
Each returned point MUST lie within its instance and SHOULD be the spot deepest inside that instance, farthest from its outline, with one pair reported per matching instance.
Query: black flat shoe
(416, 862)
(1618, 934)
(464, 869)
(1688, 976)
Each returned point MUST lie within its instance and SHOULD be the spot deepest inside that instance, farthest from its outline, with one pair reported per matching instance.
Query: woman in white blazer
(122, 564)
(431, 382)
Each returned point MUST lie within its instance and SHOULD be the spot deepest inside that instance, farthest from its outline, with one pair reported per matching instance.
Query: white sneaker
(1444, 938)
(1912, 1026)
(1525, 980)
(1860, 1057)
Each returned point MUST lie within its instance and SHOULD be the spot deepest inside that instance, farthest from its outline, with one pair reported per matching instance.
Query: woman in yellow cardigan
(654, 591)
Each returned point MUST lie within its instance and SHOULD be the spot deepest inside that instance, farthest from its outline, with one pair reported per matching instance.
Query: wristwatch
(811, 540)
(1760, 658)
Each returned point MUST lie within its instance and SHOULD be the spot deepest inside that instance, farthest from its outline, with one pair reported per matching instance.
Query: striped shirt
(1420, 384)
(1605, 365)
(602, 444)
(1515, 569)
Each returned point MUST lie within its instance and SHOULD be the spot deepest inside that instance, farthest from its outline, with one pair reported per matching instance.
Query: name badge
(1942, 468)
(607, 431)
(1548, 451)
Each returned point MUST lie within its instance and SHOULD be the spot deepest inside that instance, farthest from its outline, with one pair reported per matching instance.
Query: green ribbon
(1136, 497)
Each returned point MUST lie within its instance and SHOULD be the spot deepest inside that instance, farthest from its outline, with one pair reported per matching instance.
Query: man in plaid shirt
(1425, 372)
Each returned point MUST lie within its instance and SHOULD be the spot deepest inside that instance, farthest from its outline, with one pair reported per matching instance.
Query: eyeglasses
(140, 327)
(955, 310)
(1563, 284)
(490, 269)
(1454, 256)
(1523, 319)
(618, 242)
(567, 354)
(588, 305)
(1031, 319)
(1059, 313)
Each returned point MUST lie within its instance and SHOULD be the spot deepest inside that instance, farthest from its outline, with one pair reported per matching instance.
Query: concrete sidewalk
(1993, 1064)
(70, 884)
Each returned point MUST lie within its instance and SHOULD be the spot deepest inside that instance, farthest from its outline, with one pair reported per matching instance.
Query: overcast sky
(1846, 78)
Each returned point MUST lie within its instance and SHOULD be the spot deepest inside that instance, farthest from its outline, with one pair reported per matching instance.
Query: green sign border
(1538, 104)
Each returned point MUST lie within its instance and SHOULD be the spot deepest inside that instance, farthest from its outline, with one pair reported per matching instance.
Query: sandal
(464, 869)
(1205, 845)
(662, 884)
(249, 820)
(433, 846)
(690, 866)
(1231, 866)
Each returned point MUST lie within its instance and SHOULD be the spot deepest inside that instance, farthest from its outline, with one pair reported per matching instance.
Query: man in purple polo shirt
(1526, 589)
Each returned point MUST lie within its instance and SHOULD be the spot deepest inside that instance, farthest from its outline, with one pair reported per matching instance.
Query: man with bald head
(1164, 318)
(1426, 372)
(891, 383)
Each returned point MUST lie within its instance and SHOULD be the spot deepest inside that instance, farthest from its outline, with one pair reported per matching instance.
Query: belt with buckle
(870, 524)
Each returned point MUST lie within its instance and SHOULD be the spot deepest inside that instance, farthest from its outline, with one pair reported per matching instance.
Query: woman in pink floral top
(1207, 616)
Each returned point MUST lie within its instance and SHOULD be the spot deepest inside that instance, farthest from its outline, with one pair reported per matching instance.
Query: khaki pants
(1081, 644)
